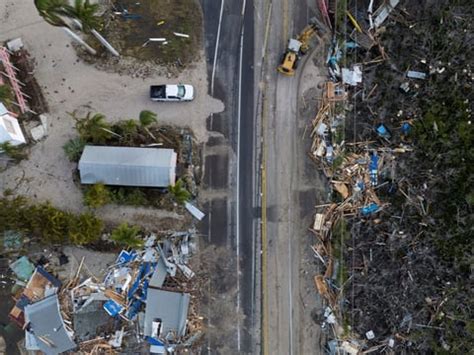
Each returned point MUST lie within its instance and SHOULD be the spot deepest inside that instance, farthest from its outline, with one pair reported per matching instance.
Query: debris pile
(144, 303)
(395, 265)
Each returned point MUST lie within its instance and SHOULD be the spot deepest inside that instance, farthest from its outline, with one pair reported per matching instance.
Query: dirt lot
(69, 84)
(156, 19)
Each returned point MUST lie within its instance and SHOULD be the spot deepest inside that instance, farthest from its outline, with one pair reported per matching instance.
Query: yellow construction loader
(296, 48)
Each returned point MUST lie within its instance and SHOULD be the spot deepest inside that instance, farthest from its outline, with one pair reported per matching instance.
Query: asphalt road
(242, 53)
(230, 160)
(290, 194)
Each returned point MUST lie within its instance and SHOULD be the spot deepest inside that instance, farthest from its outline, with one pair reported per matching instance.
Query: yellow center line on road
(286, 33)
(265, 343)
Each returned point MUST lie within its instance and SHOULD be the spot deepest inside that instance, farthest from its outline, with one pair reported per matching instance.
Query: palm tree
(127, 236)
(53, 11)
(84, 12)
(12, 151)
(127, 129)
(147, 118)
(179, 192)
(93, 129)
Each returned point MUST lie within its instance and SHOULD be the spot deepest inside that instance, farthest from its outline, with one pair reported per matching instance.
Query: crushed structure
(145, 299)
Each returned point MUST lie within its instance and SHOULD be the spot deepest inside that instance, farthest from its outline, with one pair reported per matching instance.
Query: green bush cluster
(133, 196)
(97, 195)
(47, 223)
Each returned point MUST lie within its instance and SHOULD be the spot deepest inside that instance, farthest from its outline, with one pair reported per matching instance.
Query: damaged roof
(46, 327)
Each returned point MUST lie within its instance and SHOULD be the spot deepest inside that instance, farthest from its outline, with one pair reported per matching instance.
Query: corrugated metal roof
(170, 307)
(47, 327)
(125, 166)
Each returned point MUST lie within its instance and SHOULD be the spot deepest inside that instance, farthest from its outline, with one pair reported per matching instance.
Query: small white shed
(10, 130)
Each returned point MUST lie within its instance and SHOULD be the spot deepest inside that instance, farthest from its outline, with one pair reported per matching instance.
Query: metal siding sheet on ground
(170, 307)
(47, 326)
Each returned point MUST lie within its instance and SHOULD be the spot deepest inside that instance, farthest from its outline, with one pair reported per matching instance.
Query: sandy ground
(69, 84)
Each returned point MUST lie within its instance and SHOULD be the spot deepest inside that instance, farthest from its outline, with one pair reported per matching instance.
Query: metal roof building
(125, 166)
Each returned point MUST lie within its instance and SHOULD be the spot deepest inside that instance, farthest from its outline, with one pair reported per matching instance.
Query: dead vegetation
(396, 238)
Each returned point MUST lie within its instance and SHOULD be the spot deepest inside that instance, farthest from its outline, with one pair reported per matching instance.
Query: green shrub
(85, 228)
(73, 149)
(14, 152)
(47, 223)
(127, 235)
(128, 196)
(96, 196)
(179, 192)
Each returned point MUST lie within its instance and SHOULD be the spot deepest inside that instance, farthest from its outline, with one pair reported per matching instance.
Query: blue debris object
(145, 289)
(360, 186)
(416, 75)
(329, 153)
(133, 309)
(351, 45)
(153, 341)
(383, 131)
(54, 281)
(23, 268)
(22, 302)
(392, 188)
(12, 240)
(406, 129)
(131, 16)
(369, 209)
(373, 169)
(112, 308)
(126, 257)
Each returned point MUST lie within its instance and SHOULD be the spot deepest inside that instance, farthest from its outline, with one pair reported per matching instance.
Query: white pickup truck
(178, 92)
